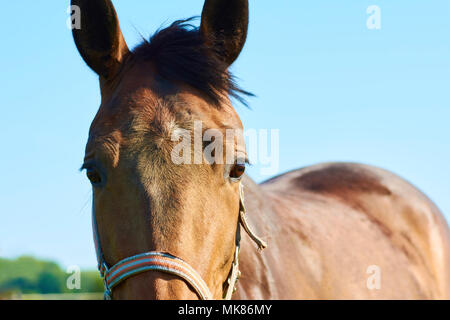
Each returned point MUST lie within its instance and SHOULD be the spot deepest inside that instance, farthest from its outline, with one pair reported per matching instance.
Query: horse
(166, 230)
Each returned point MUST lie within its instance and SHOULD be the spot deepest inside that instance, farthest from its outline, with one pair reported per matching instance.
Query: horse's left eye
(237, 171)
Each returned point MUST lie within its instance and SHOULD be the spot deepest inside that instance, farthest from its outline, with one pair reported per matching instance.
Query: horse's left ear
(225, 25)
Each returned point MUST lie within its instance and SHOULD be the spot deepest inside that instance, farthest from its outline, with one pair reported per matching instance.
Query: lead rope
(243, 219)
(235, 274)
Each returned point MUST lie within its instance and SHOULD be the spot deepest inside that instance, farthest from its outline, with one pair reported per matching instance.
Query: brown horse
(334, 231)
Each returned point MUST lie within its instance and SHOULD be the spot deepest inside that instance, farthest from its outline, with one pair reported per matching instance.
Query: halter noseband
(164, 262)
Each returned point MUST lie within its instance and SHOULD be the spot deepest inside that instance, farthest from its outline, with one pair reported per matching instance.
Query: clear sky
(336, 90)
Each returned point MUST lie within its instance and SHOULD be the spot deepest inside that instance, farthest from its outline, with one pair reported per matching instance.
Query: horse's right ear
(99, 40)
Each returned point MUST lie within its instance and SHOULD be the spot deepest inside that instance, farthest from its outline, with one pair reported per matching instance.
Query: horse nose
(154, 286)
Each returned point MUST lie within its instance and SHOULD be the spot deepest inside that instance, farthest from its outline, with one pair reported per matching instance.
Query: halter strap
(156, 261)
(164, 262)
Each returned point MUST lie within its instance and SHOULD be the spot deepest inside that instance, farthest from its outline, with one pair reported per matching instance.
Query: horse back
(345, 231)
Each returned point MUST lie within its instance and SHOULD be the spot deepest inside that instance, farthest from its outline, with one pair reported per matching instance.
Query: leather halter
(164, 262)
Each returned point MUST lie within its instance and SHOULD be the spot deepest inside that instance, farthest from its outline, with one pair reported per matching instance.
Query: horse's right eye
(94, 176)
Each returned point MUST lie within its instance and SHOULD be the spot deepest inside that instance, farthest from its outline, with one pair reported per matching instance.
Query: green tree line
(31, 275)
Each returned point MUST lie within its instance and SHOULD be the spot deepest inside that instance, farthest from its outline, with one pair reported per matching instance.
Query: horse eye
(237, 171)
(93, 176)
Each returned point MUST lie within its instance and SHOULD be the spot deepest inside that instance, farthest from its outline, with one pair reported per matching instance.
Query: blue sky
(336, 90)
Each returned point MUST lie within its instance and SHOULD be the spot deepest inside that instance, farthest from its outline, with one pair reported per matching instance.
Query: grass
(68, 296)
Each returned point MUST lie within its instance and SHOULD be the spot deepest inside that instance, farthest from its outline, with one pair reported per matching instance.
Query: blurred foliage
(29, 275)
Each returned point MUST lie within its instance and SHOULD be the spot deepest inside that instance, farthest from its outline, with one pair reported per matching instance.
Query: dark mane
(181, 54)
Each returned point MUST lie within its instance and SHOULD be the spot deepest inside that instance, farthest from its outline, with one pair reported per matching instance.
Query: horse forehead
(144, 110)
(155, 98)
(143, 103)
(145, 114)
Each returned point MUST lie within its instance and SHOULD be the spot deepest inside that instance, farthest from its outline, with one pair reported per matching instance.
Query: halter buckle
(103, 272)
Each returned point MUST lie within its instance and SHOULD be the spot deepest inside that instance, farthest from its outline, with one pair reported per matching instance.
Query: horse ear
(99, 38)
(225, 24)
